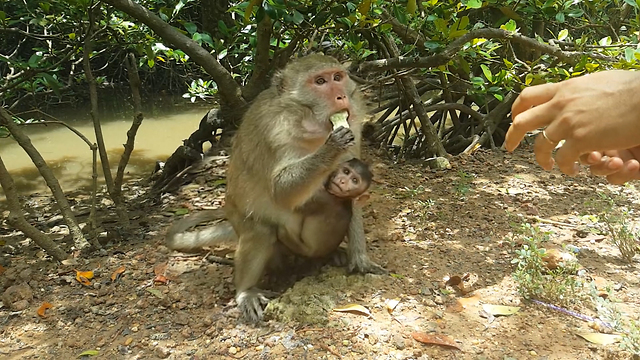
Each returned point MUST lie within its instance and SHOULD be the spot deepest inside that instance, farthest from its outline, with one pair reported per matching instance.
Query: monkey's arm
(357, 246)
(296, 179)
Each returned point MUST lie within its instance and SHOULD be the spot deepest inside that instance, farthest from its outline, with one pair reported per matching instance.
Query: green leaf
(400, 14)
(181, 211)
(498, 96)
(190, 27)
(487, 72)
(89, 353)
(35, 59)
(629, 54)
(52, 83)
(464, 22)
(206, 38)
(563, 34)
(560, 17)
(474, 4)
(297, 18)
(633, 3)
(605, 41)
(72, 36)
(3, 16)
(509, 25)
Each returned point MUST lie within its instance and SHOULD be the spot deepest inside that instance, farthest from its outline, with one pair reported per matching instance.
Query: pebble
(233, 350)
(162, 352)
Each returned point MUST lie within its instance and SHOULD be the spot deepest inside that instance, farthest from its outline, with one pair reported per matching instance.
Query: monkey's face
(328, 92)
(346, 183)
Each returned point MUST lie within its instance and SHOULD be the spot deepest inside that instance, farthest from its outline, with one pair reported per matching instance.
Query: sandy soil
(423, 226)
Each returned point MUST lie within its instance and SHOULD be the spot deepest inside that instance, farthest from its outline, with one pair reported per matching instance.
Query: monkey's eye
(337, 77)
(354, 180)
(320, 81)
(346, 171)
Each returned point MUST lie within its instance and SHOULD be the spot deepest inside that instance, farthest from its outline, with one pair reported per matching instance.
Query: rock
(162, 352)
(438, 163)
(398, 341)
(16, 295)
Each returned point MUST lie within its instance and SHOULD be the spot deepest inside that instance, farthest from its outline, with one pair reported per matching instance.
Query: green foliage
(535, 280)
(618, 226)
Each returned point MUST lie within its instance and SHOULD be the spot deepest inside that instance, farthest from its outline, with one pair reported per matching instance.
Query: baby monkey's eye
(346, 171)
(354, 180)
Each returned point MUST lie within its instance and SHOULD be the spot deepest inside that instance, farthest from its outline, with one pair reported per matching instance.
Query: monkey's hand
(250, 303)
(362, 264)
(341, 138)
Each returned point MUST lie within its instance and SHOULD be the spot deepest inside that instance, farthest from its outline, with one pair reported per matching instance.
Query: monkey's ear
(279, 82)
(360, 200)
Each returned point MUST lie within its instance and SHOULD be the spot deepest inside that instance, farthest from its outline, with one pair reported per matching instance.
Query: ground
(425, 227)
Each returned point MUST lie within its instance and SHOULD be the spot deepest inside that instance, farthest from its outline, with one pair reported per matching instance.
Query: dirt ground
(424, 226)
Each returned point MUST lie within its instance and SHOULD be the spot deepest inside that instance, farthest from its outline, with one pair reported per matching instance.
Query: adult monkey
(281, 155)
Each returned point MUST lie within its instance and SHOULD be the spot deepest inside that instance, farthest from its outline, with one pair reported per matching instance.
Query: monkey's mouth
(336, 189)
(340, 119)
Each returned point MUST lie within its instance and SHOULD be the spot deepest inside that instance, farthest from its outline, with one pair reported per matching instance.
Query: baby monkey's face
(346, 183)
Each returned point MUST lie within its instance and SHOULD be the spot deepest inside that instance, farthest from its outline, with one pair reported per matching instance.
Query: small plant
(623, 235)
(607, 311)
(535, 279)
(463, 184)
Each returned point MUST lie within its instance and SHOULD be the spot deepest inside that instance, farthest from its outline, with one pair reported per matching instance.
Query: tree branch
(258, 81)
(445, 56)
(230, 92)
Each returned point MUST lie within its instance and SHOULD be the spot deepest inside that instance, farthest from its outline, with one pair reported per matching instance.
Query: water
(162, 131)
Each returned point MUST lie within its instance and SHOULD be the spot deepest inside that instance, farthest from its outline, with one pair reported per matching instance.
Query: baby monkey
(323, 221)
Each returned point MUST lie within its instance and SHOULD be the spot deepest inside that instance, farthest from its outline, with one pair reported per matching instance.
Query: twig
(326, 347)
(539, 219)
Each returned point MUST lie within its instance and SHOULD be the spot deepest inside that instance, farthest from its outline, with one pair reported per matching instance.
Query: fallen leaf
(43, 308)
(70, 262)
(84, 277)
(601, 339)
(155, 292)
(391, 304)
(160, 279)
(500, 309)
(89, 353)
(116, 274)
(181, 211)
(2, 269)
(354, 309)
(453, 280)
(160, 268)
(434, 339)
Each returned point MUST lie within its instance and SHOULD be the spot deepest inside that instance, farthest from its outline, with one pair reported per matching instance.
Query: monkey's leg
(357, 247)
(255, 248)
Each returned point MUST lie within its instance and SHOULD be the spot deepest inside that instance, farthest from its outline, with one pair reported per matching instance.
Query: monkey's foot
(362, 264)
(251, 302)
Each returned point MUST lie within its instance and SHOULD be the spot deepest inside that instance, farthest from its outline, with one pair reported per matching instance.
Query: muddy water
(162, 131)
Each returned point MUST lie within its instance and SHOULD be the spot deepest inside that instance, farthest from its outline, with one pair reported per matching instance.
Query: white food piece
(340, 119)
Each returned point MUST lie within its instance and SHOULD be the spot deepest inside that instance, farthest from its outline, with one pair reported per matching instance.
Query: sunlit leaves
(473, 4)
(633, 3)
(563, 34)
(509, 26)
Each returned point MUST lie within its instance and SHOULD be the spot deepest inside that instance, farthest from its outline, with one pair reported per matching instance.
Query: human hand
(619, 166)
(597, 112)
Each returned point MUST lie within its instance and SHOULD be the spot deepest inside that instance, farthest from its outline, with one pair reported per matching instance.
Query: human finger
(630, 171)
(543, 149)
(533, 96)
(608, 166)
(567, 158)
(531, 119)
(592, 158)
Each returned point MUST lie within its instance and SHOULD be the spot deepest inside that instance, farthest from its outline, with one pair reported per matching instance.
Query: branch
(258, 81)
(31, 35)
(445, 56)
(17, 220)
(45, 171)
(230, 92)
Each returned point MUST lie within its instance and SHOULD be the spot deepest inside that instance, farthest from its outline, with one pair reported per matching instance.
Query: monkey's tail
(179, 239)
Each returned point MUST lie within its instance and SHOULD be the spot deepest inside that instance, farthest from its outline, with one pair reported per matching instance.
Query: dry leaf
(601, 339)
(160, 279)
(2, 269)
(453, 280)
(155, 292)
(434, 339)
(500, 309)
(159, 269)
(43, 308)
(116, 274)
(354, 309)
(84, 277)
(391, 304)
